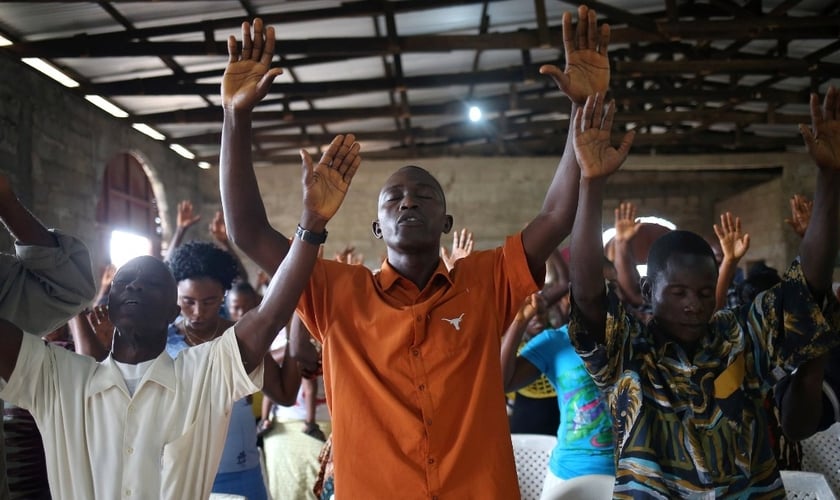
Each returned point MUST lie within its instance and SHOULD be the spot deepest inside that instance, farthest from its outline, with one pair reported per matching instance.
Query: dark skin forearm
(517, 372)
(20, 222)
(802, 403)
(626, 273)
(587, 254)
(281, 383)
(310, 395)
(300, 346)
(726, 274)
(247, 224)
(818, 248)
(258, 328)
(554, 222)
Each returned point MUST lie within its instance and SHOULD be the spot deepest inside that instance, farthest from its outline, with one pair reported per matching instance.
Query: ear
(376, 229)
(647, 289)
(448, 224)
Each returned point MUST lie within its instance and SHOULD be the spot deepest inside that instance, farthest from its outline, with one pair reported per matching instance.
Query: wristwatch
(311, 237)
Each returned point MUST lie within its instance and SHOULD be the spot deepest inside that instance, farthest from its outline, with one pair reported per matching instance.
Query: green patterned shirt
(695, 427)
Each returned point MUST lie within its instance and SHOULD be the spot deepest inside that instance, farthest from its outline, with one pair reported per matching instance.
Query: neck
(417, 268)
(134, 347)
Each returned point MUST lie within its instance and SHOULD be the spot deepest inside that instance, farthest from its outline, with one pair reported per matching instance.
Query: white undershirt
(133, 374)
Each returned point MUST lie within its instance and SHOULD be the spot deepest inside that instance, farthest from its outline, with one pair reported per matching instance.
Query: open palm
(326, 184)
(248, 75)
(596, 157)
(587, 69)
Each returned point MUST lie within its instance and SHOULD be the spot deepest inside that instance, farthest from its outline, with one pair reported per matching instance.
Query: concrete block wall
(54, 147)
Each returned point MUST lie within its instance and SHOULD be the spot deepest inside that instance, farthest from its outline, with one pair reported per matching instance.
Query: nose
(408, 202)
(692, 304)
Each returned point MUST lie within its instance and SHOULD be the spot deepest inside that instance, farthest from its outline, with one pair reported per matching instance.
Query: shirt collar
(108, 375)
(388, 275)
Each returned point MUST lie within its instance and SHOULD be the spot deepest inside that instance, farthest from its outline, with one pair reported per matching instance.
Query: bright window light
(642, 269)
(475, 113)
(125, 246)
(106, 105)
(145, 129)
(204, 165)
(181, 150)
(657, 220)
(4, 42)
(607, 235)
(51, 71)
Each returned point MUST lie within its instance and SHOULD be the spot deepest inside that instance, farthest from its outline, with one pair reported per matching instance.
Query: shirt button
(130, 450)
(428, 421)
(416, 352)
(431, 461)
(128, 493)
(419, 318)
(422, 387)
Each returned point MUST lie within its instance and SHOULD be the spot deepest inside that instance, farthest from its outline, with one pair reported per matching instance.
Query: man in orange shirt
(411, 353)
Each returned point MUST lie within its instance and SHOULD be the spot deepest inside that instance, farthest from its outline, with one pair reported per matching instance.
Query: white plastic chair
(531, 452)
(590, 487)
(806, 485)
(821, 453)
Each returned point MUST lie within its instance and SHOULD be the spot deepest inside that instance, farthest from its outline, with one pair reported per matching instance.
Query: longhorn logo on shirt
(455, 322)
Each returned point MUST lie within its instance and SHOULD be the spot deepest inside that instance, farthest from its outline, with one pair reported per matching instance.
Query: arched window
(127, 211)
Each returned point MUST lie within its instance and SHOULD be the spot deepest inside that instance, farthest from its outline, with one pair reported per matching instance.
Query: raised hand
(217, 228)
(249, 74)
(823, 138)
(534, 304)
(587, 66)
(186, 217)
(100, 321)
(462, 245)
(800, 214)
(733, 243)
(349, 256)
(596, 157)
(326, 184)
(625, 222)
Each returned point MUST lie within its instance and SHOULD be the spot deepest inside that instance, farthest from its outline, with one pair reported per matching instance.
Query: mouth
(410, 220)
(131, 302)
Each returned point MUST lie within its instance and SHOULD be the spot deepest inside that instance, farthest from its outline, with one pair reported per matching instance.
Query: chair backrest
(806, 485)
(531, 452)
(821, 453)
(589, 487)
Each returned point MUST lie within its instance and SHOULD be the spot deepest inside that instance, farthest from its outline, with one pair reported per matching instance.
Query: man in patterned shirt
(686, 390)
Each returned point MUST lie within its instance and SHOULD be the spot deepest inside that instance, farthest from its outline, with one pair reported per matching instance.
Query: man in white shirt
(106, 438)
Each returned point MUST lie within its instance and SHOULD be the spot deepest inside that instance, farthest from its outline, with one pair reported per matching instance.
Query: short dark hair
(675, 242)
(199, 259)
(242, 287)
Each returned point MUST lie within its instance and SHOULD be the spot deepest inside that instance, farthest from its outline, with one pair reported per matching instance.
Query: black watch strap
(311, 237)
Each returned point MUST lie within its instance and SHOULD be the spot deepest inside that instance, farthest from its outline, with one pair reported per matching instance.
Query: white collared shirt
(101, 443)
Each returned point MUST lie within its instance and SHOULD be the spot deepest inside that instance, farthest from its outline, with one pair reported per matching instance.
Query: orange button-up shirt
(413, 379)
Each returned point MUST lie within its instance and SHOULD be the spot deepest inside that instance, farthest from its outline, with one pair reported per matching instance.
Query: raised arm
(49, 279)
(324, 188)
(517, 372)
(247, 79)
(627, 275)
(587, 72)
(184, 220)
(800, 214)
(598, 160)
(462, 245)
(218, 231)
(818, 248)
(734, 245)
